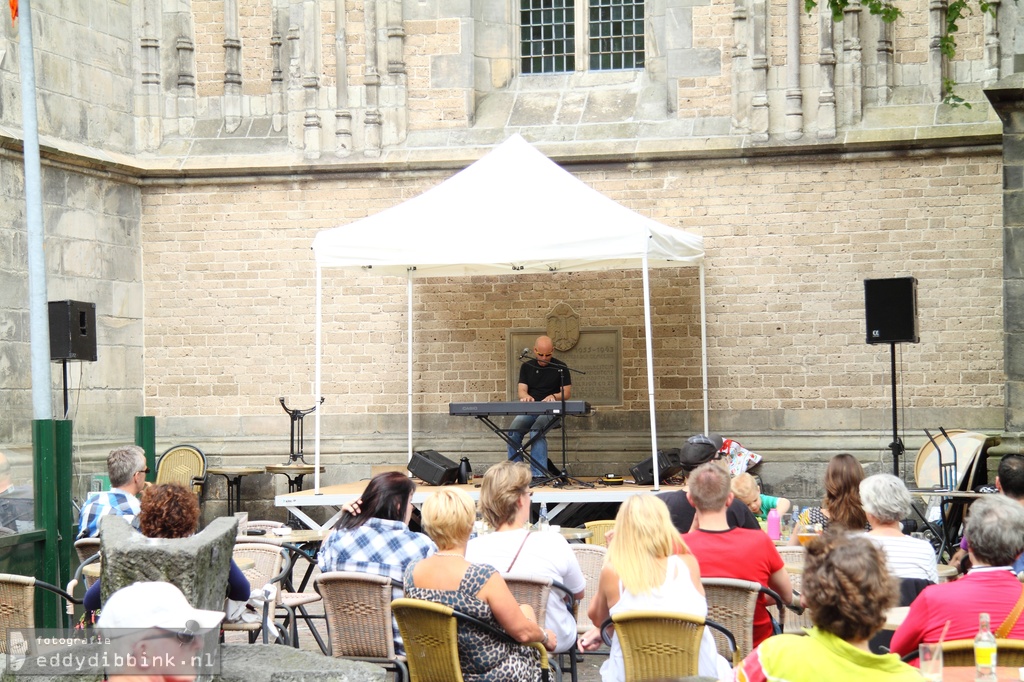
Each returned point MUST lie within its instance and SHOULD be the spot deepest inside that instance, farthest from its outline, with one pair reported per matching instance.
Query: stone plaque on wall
(598, 353)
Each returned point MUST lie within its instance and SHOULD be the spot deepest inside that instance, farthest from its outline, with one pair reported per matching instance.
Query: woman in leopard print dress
(477, 590)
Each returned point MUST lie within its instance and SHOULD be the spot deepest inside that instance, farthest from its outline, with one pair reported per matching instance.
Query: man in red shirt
(725, 552)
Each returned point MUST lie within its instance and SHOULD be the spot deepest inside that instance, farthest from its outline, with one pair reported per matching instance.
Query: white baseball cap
(154, 605)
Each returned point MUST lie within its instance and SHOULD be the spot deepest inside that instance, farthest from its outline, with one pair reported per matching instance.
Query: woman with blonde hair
(649, 567)
(514, 548)
(841, 507)
(477, 590)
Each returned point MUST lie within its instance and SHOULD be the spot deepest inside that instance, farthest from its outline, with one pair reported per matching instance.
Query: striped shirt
(908, 557)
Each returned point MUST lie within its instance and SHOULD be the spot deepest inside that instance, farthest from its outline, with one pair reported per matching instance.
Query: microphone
(525, 353)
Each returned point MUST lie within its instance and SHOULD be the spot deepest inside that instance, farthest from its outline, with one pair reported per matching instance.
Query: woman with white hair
(886, 500)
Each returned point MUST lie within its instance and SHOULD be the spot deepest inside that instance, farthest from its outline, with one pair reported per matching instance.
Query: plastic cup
(929, 656)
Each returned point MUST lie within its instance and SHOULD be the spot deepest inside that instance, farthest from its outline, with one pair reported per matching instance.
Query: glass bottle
(542, 517)
(984, 651)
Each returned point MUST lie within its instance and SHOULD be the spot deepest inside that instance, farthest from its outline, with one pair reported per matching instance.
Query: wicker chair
(430, 633)
(358, 608)
(732, 603)
(960, 653)
(271, 566)
(536, 592)
(86, 548)
(263, 525)
(184, 464)
(660, 645)
(599, 529)
(794, 559)
(591, 560)
(18, 603)
(792, 555)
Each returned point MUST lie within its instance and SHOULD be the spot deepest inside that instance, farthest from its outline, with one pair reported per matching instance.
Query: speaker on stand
(890, 309)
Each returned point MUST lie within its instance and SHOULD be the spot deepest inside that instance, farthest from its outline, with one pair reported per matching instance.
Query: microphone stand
(563, 478)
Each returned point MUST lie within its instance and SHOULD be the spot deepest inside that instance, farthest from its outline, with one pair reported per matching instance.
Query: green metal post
(45, 479)
(145, 438)
(65, 510)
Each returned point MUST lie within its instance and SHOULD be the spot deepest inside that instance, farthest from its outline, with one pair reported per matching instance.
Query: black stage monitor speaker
(890, 306)
(433, 467)
(668, 465)
(72, 330)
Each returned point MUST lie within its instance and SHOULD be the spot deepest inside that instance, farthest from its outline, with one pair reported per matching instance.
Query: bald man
(539, 381)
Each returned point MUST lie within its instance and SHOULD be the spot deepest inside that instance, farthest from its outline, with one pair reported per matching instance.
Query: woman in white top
(886, 501)
(649, 567)
(512, 548)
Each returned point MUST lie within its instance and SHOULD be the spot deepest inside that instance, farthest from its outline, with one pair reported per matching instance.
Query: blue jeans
(538, 453)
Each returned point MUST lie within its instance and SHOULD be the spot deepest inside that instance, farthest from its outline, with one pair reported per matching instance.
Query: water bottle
(774, 528)
(984, 652)
(465, 471)
(542, 518)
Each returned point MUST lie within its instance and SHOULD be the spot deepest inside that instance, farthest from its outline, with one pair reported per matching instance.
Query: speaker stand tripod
(896, 445)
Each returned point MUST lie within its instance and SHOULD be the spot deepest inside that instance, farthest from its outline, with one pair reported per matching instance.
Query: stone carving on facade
(563, 326)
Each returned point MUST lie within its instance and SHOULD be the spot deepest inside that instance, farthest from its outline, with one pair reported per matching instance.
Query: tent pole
(408, 361)
(704, 344)
(650, 371)
(316, 383)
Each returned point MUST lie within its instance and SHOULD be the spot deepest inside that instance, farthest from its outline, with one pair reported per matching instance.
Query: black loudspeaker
(890, 306)
(433, 467)
(72, 330)
(668, 465)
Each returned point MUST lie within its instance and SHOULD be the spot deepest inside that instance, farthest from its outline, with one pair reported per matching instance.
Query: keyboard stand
(523, 450)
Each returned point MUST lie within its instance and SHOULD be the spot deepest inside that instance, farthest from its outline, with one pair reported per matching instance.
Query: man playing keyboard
(539, 381)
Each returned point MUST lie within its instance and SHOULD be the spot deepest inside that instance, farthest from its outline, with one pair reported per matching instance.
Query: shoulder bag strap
(527, 537)
(1011, 618)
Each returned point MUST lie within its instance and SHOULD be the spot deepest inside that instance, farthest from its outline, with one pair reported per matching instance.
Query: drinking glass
(929, 655)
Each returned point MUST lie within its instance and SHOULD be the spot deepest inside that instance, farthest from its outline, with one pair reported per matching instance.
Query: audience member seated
(155, 624)
(841, 507)
(513, 548)
(886, 501)
(725, 552)
(475, 589)
(649, 567)
(995, 532)
(169, 511)
(747, 491)
(1010, 482)
(373, 536)
(847, 589)
(697, 450)
(126, 469)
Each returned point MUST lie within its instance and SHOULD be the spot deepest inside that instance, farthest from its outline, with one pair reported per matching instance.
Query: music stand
(296, 434)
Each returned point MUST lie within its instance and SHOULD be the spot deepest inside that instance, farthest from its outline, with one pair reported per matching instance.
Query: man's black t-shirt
(682, 512)
(542, 381)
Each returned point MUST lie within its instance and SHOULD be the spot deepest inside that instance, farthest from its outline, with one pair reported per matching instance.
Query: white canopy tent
(484, 221)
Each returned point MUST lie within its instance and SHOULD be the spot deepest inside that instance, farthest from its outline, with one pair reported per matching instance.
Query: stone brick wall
(94, 254)
(84, 71)
(229, 308)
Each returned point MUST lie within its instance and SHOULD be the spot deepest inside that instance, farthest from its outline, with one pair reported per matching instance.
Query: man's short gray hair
(885, 497)
(995, 530)
(123, 463)
(709, 487)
